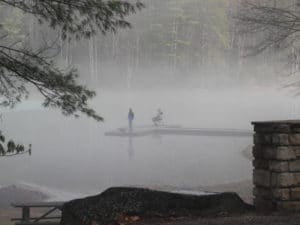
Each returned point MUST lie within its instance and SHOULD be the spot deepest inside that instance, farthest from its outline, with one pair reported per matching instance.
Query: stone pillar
(276, 174)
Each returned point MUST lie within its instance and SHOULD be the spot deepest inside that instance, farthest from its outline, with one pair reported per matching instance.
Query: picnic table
(47, 218)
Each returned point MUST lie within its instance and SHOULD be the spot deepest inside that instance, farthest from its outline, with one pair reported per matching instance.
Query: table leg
(25, 213)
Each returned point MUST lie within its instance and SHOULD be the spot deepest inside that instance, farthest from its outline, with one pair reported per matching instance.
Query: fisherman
(130, 118)
(157, 120)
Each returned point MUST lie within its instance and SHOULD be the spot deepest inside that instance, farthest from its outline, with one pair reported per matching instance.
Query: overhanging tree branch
(80, 18)
(21, 66)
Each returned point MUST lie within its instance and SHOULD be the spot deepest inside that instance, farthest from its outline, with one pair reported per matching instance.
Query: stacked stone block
(276, 174)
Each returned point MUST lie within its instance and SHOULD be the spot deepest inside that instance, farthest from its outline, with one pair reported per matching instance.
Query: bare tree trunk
(174, 45)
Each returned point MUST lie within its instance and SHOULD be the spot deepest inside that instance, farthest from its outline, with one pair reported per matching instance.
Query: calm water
(74, 155)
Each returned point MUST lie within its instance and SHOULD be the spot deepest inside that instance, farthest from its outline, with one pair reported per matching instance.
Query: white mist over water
(73, 157)
(52, 193)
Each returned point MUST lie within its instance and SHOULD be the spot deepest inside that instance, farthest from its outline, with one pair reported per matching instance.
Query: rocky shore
(136, 206)
(118, 205)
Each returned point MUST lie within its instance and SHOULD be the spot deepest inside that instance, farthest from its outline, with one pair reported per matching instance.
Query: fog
(208, 85)
(74, 156)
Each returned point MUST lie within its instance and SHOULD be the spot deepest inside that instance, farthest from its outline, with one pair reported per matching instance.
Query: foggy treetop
(272, 23)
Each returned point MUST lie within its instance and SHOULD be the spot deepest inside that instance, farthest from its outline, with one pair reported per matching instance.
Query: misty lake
(74, 157)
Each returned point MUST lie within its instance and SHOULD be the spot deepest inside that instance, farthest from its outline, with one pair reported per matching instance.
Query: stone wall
(276, 174)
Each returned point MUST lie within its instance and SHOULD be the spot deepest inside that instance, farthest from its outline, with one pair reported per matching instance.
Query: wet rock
(114, 203)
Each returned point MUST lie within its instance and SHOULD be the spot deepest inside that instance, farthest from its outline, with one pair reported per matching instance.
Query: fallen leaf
(134, 218)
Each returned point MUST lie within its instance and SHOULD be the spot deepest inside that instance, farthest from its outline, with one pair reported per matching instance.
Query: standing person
(130, 118)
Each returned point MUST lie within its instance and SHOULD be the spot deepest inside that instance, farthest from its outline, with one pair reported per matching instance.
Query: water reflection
(130, 147)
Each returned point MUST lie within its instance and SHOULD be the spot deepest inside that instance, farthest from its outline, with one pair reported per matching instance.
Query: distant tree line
(174, 39)
(179, 40)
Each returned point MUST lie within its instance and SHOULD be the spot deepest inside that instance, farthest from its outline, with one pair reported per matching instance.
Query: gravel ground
(236, 220)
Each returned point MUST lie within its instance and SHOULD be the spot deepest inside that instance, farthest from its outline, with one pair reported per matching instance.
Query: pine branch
(80, 18)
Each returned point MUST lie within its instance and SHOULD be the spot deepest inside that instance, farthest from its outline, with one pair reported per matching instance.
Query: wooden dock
(51, 216)
(177, 130)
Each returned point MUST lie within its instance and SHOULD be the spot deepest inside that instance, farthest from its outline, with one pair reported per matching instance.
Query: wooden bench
(47, 218)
